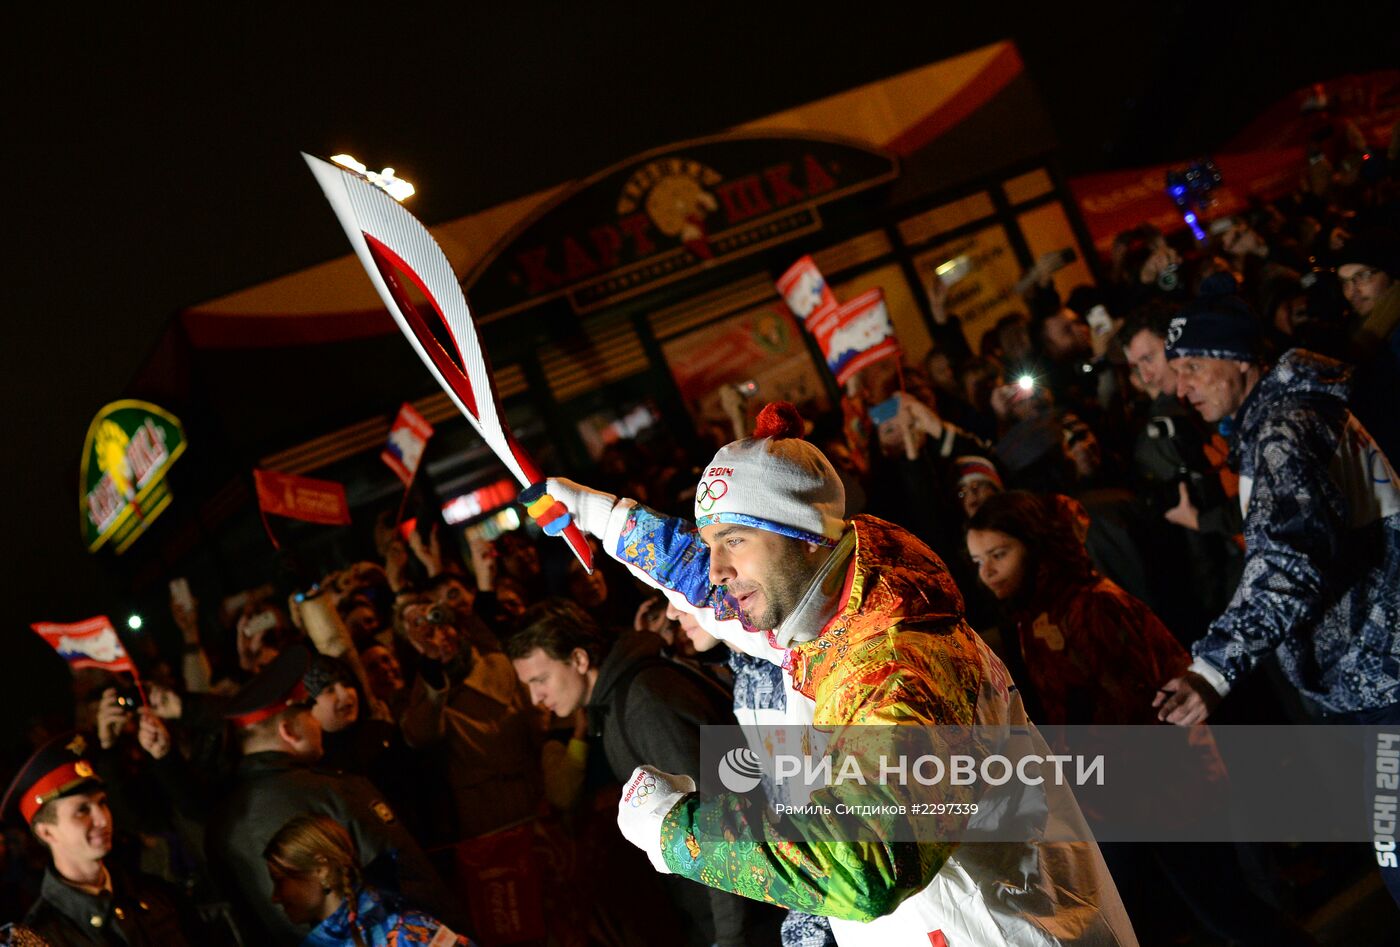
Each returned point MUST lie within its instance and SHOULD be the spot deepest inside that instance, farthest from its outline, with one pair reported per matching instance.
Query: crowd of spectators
(432, 741)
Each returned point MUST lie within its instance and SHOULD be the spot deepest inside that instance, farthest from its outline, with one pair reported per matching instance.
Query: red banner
(502, 883)
(87, 644)
(302, 498)
(407, 438)
(855, 334)
(1115, 201)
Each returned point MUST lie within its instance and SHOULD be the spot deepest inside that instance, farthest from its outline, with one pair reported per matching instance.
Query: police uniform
(271, 788)
(132, 910)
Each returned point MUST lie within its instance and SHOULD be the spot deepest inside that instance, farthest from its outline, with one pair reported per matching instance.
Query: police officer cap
(275, 688)
(57, 769)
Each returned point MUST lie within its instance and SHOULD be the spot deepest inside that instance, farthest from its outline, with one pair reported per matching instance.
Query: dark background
(152, 154)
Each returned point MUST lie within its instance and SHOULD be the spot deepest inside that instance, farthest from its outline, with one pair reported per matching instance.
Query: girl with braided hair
(316, 879)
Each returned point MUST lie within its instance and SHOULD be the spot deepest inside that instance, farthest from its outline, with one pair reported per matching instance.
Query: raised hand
(151, 734)
(112, 718)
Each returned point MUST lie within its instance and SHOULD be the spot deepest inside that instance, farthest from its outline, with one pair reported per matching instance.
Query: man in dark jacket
(1172, 467)
(640, 707)
(82, 900)
(277, 781)
(1368, 268)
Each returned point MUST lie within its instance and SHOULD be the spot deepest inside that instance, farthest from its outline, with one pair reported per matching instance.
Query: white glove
(646, 799)
(590, 508)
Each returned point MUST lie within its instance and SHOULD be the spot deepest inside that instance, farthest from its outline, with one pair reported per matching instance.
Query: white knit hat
(774, 481)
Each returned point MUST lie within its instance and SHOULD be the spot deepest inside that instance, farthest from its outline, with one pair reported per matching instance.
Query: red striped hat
(972, 468)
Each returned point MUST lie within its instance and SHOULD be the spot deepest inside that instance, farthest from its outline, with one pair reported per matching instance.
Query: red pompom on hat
(779, 419)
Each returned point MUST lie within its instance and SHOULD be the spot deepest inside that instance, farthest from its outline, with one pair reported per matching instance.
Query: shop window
(853, 252)
(762, 345)
(1028, 186)
(909, 325)
(988, 290)
(1047, 229)
(606, 350)
(746, 293)
(931, 224)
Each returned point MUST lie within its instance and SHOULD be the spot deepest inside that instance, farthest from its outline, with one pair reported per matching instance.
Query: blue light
(1190, 218)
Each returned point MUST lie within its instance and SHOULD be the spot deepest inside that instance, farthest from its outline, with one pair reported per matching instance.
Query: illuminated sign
(670, 213)
(471, 505)
(129, 450)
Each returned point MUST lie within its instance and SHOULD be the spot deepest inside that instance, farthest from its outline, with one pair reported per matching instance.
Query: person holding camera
(1179, 466)
(468, 701)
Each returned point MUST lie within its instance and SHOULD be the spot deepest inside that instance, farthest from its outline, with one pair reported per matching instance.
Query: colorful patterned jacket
(372, 919)
(1321, 583)
(898, 652)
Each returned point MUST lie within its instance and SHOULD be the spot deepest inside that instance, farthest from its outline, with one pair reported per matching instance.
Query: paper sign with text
(302, 498)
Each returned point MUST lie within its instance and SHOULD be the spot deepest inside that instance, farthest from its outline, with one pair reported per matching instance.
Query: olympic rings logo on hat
(710, 492)
(647, 787)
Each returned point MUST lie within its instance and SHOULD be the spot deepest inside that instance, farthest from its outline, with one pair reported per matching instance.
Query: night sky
(153, 159)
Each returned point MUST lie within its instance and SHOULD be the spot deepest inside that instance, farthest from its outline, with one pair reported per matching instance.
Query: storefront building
(628, 299)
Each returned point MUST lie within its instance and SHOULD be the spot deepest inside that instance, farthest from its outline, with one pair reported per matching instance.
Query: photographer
(468, 701)
(1173, 469)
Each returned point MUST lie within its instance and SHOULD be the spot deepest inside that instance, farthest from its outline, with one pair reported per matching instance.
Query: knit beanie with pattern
(774, 480)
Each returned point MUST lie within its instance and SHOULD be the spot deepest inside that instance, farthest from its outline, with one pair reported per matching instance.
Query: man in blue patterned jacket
(1321, 582)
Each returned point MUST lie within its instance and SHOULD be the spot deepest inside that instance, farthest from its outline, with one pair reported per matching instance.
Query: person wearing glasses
(1368, 267)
